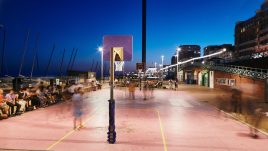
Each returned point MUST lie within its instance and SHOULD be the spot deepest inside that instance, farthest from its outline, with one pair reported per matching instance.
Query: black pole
(62, 61)
(111, 129)
(50, 59)
(74, 59)
(70, 60)
(3, 53)
(144, 33)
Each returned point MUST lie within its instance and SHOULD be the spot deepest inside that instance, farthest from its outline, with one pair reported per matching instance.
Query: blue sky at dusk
(82, 23)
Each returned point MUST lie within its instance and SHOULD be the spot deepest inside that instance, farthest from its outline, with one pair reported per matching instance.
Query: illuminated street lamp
(178, 55)
(162, 57)
(100, 49)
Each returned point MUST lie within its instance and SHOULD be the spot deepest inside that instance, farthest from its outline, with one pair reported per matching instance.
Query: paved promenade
(166, 121)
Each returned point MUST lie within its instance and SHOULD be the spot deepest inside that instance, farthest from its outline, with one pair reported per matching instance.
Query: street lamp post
(178, 55)
(162, 57)
(101, 50)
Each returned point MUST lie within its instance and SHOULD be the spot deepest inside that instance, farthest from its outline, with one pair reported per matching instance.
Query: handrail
(257, 73)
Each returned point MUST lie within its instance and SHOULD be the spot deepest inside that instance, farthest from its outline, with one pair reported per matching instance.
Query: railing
(256, 73)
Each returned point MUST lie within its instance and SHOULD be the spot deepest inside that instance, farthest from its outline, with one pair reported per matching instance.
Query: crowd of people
(147, 87)
(252, 112)
(27, 99)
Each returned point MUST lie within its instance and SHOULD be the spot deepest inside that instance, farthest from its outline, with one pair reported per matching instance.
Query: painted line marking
(162, 131)
(72, 131)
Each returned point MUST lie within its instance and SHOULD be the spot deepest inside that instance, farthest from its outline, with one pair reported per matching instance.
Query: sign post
(112, 132)
(116, 48)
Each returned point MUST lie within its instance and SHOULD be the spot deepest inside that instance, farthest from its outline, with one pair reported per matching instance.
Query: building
(185, 52)
(251, 36)
(81, 74)
(188, 51)
(227, 56)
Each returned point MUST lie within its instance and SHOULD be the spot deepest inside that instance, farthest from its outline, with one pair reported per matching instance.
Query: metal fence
(256, 73)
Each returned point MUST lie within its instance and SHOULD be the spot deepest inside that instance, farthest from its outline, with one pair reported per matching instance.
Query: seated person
(49, 95)
(4, 108)
(42, 97)
(22, 99)
(56, 94)
(35, 101)
(11, 100)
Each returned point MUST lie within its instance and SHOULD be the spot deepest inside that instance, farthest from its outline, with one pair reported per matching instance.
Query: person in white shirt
(11, 99)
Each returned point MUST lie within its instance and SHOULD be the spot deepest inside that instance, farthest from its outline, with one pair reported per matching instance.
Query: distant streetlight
(162, 57)
(100, 49)
(178, 55)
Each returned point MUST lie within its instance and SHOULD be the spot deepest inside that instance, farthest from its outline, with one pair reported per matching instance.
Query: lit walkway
(170, 121)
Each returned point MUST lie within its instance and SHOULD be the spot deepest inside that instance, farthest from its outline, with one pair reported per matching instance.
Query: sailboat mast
(3, 53)
(70, 60)
(62, 61)
(74, 59)
(35, 49)
(24, 51)
(50, 59)
(91, 69)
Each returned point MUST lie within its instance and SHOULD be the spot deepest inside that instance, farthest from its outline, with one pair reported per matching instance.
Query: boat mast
(35, 49)
(70, 60)
(50, 58)
(24, 51)
(62, 62)
(96, 67)
(3, 53)
(74, 59)
(91, 69)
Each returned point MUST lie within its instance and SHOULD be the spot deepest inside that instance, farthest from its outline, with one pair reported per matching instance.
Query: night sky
(82, 23)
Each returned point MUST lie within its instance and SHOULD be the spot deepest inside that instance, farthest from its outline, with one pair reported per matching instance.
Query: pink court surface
(167, 121)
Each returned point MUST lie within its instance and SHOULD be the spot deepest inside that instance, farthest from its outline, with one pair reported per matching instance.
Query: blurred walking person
(131, 89)
(77, 100)
(151, 88)
(145, 90)
(236, 101)
(256, 121)
(176, 84)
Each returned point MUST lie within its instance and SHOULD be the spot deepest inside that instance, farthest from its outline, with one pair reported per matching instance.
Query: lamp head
(100, 49)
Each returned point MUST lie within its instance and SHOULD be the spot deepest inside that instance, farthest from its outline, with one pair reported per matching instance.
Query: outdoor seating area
(14, 103)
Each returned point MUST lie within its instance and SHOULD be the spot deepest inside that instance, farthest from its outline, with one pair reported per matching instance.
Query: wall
(248, 86)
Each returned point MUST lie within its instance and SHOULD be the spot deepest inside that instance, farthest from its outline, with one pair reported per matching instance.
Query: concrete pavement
(167, 121)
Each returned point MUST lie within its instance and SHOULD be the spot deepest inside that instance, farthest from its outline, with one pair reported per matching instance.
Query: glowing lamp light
(100, 49)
